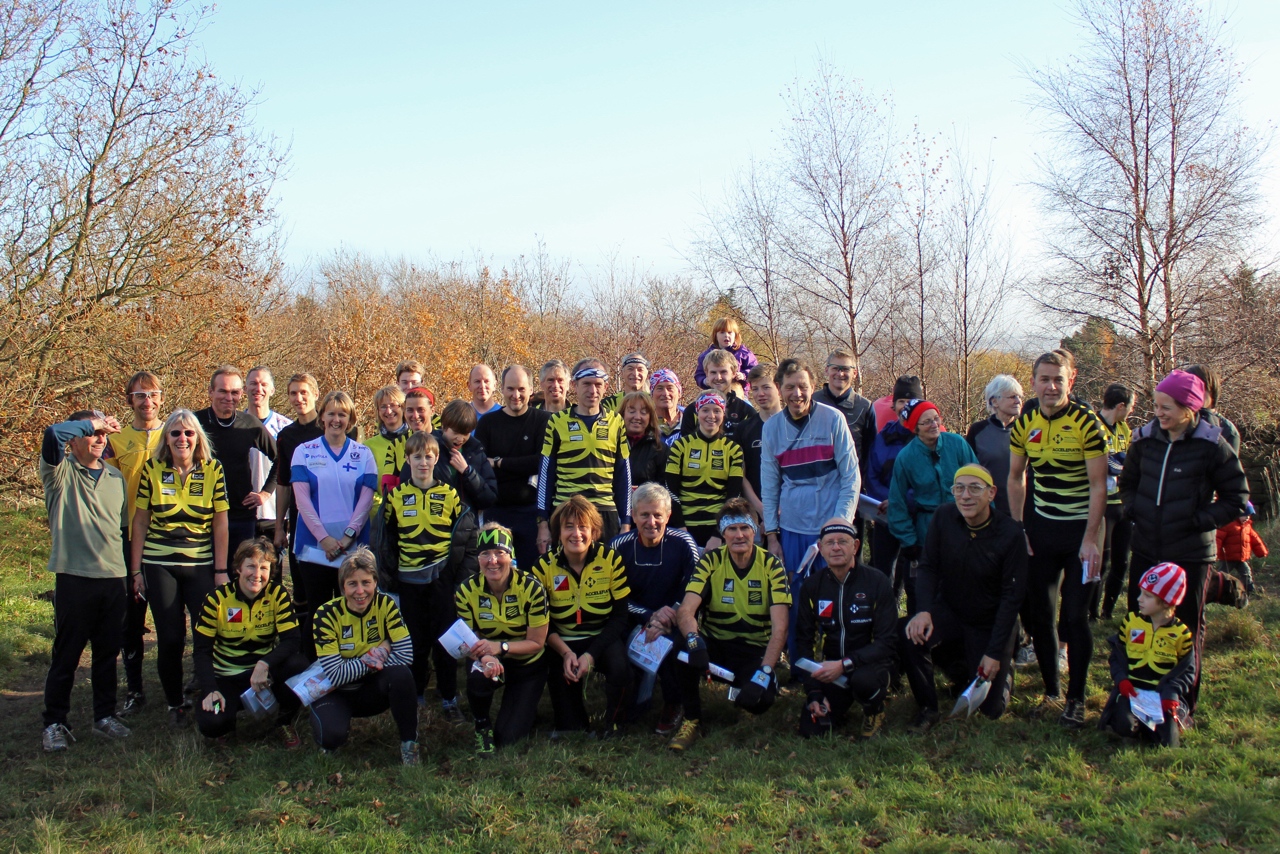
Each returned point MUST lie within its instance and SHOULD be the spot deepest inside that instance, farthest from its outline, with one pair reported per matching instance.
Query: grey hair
(652, 493)
(1000, 385)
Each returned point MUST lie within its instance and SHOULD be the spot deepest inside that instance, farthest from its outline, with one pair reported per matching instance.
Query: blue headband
(590, 372)
(728, 521)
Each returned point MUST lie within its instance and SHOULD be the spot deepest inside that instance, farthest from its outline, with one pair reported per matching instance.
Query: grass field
(751, 785)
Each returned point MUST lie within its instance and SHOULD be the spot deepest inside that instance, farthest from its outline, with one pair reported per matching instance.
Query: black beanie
(908, 387)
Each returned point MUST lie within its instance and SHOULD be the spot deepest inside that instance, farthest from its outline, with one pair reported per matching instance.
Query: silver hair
(1000, 385)
(654, 493)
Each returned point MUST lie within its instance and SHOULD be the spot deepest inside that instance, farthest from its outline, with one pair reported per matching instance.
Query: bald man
(483, 386)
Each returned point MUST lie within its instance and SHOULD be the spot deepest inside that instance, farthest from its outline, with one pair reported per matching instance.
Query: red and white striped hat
(1165, 581)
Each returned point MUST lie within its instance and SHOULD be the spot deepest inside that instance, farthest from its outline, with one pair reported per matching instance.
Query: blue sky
(446, 129)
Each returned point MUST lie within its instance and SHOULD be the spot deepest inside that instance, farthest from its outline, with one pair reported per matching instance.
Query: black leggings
(174, 592)
(1115, 560)
(867, 686)
(521, 686)
(1056, 564)
(428, 609)
(215, 724)
(319, 584)
(568, 704)
(740, 658)
(390, 688)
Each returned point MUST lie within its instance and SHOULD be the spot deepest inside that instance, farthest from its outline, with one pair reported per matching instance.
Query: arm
(850, 475)
(138, 539)
(284, 499)
(203, 639)
(288, 643)
(220, 547)
(675, 484)
(934, 552)
(884, 631)
(1178, 682)
(401, 652)
(807, 618)
(779, 617)
(1118, 660)
(307, 511)
(771, 489)
(699, 375)
(1130, 477)
(364, 503)
(613, 631)
(1016, 487)
(1089, 550)
(1231, 488)
(900, 524)
(480, 483)
(267, 445)
(750, 494)
(622, 483)
(687, 615)
(1256, 543)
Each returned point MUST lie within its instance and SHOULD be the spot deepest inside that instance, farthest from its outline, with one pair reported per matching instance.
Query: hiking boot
(452, 714)
(289, 735)
(409, 753)
(133, 703)
(1026, 657)
(484, 742)
(685, 738)
(670, 720)
(110, 727)
(55, 738)
(1049, 707)
(925, 720)
(1073, 714)
(872, 726)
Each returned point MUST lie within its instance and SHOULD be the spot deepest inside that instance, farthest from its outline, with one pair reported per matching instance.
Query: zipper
(840, 614)
(1163, 466)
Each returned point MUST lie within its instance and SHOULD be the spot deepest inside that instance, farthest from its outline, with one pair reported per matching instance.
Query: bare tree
(1152, 183)
(921, 189)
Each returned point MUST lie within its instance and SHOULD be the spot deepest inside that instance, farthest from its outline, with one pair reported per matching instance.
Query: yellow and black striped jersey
(736, 603)
(585, 456)
(131, 448)
(507, 616)
(337, 630)
(1057, 448)
(182, 511)
(1153, 652)
(581, 604)
(244, 631)
(420, 522)
(1118, 438)
(702, 474)
(389, 452)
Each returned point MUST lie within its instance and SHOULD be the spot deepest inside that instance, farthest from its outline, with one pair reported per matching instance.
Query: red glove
(390, 482)
(1170, 707)
(1126, 687)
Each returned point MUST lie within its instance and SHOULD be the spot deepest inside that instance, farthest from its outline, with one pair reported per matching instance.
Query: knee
(329, 726)
(479, 685)
(214, 725)
(399, 679)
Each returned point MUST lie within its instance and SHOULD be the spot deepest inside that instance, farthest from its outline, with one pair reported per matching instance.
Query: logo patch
(409, 513)
(755, 597)
(485, 615)
(437, 509)
(486, 602)
(826, 608)
(1137, 635)
(196, 490)
(754, 584)
(513, 611)
(728, 585)
(860, 595)
(166, 477)
(235, 615)
(1033, 438)
(436, 496)
(574, 426)
(511, 597)
(410, 500)
(347, 632)
(560, 583)
(727, 600)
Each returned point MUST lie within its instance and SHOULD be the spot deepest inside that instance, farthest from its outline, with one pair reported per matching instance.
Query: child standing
(1237, 544)
(726, 335)
(1152, 653)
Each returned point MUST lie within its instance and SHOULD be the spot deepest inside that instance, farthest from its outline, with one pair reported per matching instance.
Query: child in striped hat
(1152, 655)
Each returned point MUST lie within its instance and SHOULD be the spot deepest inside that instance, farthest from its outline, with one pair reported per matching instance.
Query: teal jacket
(922, 483)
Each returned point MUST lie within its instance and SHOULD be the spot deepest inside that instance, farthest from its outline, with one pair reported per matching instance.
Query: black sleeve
(868, 439)
(1118, 660)
(384, 542)
(972, 436)
(526, 465)
(287, 644)
(1131, 475)
(202, 662)
(50, 448)
(807, 617)
(1178, 682)
(675, 482)
(614, 631)
(884, 629)
(464, 553)
(733, 489)
(926, 577)
(482, 483)
(1232, 488)
(1013, 590)
(267, 445)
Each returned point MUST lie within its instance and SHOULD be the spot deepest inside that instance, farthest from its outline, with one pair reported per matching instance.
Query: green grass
(751, 785)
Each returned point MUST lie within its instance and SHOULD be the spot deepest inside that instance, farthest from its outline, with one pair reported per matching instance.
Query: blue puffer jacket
(928, 475)
(888, 443)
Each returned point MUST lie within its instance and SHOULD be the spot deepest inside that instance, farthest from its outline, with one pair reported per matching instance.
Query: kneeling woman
(507, 609)
(247, 637)
(586, 585)
(365, 650)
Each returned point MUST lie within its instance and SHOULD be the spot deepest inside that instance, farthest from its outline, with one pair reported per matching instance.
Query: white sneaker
(55, 738)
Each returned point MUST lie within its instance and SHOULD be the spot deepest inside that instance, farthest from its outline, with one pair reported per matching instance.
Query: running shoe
(451, 712)
(289, 735)
(56, 737)
(1026, 656)
(684, 739)
(872, 726)
(669, 721)
(110, 727)
(409, 752)
(1073, 714)
(484, 742)
(133, 703)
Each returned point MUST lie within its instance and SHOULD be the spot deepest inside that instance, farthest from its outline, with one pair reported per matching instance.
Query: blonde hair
(360, 560)
(203, 450)
(726, 324)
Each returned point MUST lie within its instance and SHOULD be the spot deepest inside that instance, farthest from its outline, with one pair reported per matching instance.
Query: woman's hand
(214, 697)
(260, 678)
(584, 665)
(332, 548)
(139, 587)
(483, 647)
(570, 666)
(492, 667)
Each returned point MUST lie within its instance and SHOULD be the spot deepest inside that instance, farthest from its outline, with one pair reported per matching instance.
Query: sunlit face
(496, 566)
(454, 440)
(145, 403)
(409, 380)
(972, 495)
(1173, 416)
(391, 414)
(650, 519)
(515, 391)
(840, 373)
(481, 383)
(358, 590)
(335, 419)
(727, 339)
(590, 392)
(797, 393)
(838, 550)
(710, 419)
(252, 575)
(740, 539)
(720, 377)
(764, 393)
(417, 413)
(260, 388)
(181, 439)
(303, 398)
(225, 395)
(634, 377)
(636, 419)
(421, 464)
(576, 536)
(1008, 405)
(555, 387)
(1150, 605)
(90, 447)
(665, 397)
(929, 427)
(1052, 384)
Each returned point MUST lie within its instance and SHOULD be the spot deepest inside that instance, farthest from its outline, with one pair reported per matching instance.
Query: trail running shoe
(872, 726)
(56, 737)
(669, 722)
(409, 752)
(133, 703)
(110, 727)
(1073, 714)
(1026, 656)
(451, 712)
(484, 742)
(684, 739)
(289, 735)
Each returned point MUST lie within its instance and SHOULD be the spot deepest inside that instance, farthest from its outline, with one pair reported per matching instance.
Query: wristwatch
(350, 533)
(505, 647)
(847, 664)
(767, 670)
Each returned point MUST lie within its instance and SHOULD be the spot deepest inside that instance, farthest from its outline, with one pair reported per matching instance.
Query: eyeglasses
(840, 369)
(974, 489)
(177, 434)
(932, 422)
(140, 396)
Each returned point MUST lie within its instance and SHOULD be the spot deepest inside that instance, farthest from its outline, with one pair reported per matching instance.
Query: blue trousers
(793, 548)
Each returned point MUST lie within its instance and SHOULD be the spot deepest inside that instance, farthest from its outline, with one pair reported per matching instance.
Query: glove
(699, 658)
(390, 482)
(1169, 707)
(754, 691)
(912, 552)
(1126, 687)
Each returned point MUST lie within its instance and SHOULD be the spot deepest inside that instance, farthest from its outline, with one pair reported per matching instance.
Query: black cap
(908, 387)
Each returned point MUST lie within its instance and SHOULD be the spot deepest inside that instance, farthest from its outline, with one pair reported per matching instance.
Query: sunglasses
(140, 396)
(176, 434)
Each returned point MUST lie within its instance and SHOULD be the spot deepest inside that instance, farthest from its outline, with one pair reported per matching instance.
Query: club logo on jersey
(602, 431)
(347, 632)
(409, 513)
(727, 600)
(1033, 438)
(717, 453)
(755, 597)
(859, 595)
(437, 509)
(355, 455)
(560, 583)
(853, 608)
(574, 426)
(695, 453)
(513, 611)
(410, 500)
(826, 609)
(1137, 635)
(485, 615)
(196, 490)
(371, 633)
(717, 465)
(511, 597)
(485, 602)
(235, 615)
(166, 477)
(754, 584)
(728, 585)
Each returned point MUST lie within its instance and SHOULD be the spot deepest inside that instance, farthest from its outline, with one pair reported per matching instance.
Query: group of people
(568, 529)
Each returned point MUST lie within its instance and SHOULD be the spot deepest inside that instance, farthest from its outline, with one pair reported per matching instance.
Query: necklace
(219, 420)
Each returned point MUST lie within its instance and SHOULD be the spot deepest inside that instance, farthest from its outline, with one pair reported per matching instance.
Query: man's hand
(820, 709)
(210, 699)
(457, 461)
(829, 672)
(260, 678)
(256, 499)
(988, 668)
(139, 587)
(281, 539)
(1089, 554)
(105, 422)
(775, 545)
(570, 666)
(920, 628)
